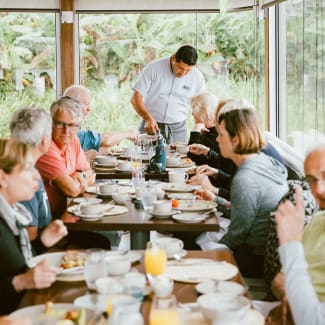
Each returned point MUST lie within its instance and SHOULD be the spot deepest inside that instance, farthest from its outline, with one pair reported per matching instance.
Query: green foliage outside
(113, 50)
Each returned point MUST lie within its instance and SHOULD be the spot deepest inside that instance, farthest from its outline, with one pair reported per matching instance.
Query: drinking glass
(155, 259)
(95, 267)
(163, 311)
(149, 196)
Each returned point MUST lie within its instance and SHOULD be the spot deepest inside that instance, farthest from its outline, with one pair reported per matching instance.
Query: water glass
(149, 196)
(95, 267)
(163, 311)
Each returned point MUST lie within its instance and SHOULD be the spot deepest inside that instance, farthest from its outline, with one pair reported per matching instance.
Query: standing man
(162, 92)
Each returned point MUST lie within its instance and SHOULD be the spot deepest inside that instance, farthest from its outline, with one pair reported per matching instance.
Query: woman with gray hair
(64, 168)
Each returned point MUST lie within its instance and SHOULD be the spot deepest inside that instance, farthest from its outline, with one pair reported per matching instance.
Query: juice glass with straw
(155, 259)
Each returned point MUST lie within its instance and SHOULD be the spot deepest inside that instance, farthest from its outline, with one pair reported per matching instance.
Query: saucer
(180, 253)
(163, 215)
(91, 200)
(189, 217)
(89, 217)
(123, 171)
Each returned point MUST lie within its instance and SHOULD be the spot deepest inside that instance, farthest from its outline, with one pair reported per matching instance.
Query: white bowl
(117, 265)
(224, 308)
(211, 286)
(109, 286)
(120, 198)
(162, 286)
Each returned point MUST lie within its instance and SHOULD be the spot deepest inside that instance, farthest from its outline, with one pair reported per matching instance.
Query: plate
(123, 171)
(92, 301)
(189, 217)
(92, 200)
(89, 217)
(180, 253)
(181, 165)
(134, 256)
(195, 270)
(36, 313)
(55, 259)
(211, 286)
(180, 196)
(174, 187)
(112, 166)
(196, 206)
(163, 215)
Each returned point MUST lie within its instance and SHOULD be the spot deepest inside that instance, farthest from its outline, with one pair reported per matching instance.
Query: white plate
(196, 206)
(134, 256)
(55, 259)
(92, 301)
(123, 171)
(181, 196)
(96, 164)
(89, 217)
(92, 200)
(211, 286)
(180, 253)
(189, 217)
(163, 215)
(195, 270)
(182, 188)
(36, 313)
(181, 165)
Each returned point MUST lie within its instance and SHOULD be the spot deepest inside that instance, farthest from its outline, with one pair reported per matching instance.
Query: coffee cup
(162, 206)
(124, 165)
(106, 189)
(179, 177)
(162, 286)
(88, 208)
(117, 265)
(170, 245)
(182, 149)
(106, 160)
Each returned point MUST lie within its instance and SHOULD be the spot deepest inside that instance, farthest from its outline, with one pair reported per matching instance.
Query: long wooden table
(66, 292)
(138, 223)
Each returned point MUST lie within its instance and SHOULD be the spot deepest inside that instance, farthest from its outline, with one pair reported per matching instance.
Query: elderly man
(91, 140)
(33, 126)
(64, 168)
(304, 263)
(162, 92)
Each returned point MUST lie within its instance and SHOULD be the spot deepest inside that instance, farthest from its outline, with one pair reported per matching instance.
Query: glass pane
(27, 62)
(115, 47)
(305, 72)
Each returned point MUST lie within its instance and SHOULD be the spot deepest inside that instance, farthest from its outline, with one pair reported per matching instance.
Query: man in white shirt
(162, 92)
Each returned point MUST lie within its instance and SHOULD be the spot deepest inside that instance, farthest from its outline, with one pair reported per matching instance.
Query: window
(114, 47)
(27, 62)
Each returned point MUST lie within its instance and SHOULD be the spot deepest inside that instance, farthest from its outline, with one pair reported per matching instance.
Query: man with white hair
(302, 251)
(90, 140)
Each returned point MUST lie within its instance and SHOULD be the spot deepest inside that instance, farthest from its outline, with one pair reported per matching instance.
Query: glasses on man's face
(312, 181)
(61, 125)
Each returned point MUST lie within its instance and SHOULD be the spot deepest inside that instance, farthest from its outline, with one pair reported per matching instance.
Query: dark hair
(186, 54)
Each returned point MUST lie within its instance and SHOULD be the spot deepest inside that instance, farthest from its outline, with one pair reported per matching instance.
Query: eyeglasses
(61, 125)
(311, 180)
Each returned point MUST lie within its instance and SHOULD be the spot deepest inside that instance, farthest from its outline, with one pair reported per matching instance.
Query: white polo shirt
(165, 96)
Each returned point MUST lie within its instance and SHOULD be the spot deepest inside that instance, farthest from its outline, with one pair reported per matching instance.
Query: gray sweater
(257, 187)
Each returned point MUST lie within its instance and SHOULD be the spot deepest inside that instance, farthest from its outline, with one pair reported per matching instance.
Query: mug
(179, 177)
(124, 165)
(162, 206)
(106, 189)
(170, 245)
(89, 208)
(107, 160)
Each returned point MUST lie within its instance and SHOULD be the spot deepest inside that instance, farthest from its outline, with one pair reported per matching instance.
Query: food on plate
(72, 259)
(175, 203)
(187, 161)
(72, 316)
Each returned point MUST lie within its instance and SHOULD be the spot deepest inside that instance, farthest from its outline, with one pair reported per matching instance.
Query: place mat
(190, 270)
(187, 317)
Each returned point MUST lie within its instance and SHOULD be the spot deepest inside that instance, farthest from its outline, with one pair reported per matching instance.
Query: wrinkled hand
(55, 231)
(202, 180)
(198, 149)
(151, 127)
(207, 170)
(205, 195)
(39, 277)
(290, 218)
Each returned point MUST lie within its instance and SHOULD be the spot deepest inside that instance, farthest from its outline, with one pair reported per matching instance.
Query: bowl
(162, 286)
(224, 308)
(108, 286)
(117, 265)
(211, 286)
(120, 198)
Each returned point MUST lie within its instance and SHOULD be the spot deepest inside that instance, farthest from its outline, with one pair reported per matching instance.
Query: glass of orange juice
(163, 311)
(155, 259)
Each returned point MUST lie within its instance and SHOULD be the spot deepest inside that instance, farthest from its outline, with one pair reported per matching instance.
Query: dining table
(67, 292)
(139, 223)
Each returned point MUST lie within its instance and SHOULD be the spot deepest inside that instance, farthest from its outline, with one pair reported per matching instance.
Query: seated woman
(18, 182)
(257, 186)
(220, 169)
